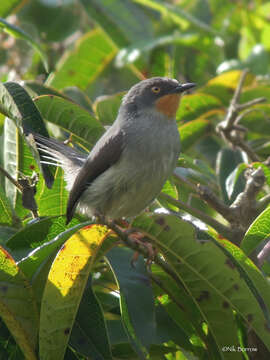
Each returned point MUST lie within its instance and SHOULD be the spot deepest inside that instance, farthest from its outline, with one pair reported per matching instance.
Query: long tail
(54, 152)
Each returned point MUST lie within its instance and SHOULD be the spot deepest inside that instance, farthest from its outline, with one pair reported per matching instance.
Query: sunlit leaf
(6, 216)
(6, 7)
(177, 14)
(17, 305)
(196, 105)
(258, 231)
(192, 131)
(64, 289)
(92, 53)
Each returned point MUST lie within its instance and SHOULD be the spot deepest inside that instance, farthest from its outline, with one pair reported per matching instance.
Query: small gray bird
(127, 168)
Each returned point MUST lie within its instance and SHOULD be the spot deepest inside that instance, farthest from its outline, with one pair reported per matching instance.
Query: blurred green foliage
(65, 66)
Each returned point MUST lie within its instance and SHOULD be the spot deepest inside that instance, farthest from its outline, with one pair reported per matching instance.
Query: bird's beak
(183, 87)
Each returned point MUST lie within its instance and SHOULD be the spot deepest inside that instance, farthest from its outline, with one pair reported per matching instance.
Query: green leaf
(209, 276)
(43, 17)
(222, 92)
(123, 21)
(131, 53)
(81, 66)
(183, 312)
(10, 156)
(232, 181)
(255, 92)
(178, 15)
(253, 277)
(37, 235)
(18, 106)
(21, 34)
(36, 89)
(137, 312)
(116, 332)
(53, 202)
(170, 189)
(198, 105)
(70, 117)
(64, 288)
(258, 231)
(192, 131)
(231, 79)
(257, 121)
(89, 334)
(227, 161)
(79, 97)
(17, 305)
(6, 7)
(6, 232)
(96, 13)
(6, 216)
(106, 108)
(31, 263)
(258, 60)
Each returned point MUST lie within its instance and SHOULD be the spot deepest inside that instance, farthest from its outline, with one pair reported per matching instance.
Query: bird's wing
(108, 154)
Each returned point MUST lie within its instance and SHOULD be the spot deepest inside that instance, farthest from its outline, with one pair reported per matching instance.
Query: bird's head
(161, 93)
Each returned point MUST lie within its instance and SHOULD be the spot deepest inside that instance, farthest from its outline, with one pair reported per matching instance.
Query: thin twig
(229, 128)
(239, 87)
(251, 154)
(250, 103)
(208, 196)
(10, 178)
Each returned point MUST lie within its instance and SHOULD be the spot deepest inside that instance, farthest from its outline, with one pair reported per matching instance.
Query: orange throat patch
(168, 104)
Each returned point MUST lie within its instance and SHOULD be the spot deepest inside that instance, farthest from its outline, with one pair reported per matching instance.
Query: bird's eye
(155, 89)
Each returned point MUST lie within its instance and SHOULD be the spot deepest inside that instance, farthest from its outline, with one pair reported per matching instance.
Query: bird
(128, 166)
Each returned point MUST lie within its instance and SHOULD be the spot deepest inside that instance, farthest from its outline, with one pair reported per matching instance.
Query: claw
(139, 239)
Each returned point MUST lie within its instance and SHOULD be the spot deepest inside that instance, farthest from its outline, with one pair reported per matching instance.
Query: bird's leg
(136, 236)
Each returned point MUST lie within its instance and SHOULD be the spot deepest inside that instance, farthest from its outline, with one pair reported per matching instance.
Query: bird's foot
(140, 239)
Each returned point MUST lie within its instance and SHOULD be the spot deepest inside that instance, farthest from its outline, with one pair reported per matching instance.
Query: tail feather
(58, 150)
(54, 152)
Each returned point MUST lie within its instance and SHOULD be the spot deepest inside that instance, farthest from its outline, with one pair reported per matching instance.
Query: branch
(188, 183)
(245, 206)
(229, 129)
(263, 254)
(127, 239)
(208, 196)
(10, 178)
